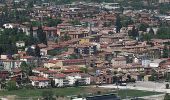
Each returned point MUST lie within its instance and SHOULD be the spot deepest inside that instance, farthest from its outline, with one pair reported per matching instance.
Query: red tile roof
(34, 78)
(41, 69)
(74, 61)
(50, 72)
(71, 71)
(60, 75)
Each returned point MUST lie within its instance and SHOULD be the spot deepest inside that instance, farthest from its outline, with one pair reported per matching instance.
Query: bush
(48, 95)
(11, 85)
(167, 86)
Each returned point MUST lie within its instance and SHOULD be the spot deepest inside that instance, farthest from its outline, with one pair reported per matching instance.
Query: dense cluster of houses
(103, 55)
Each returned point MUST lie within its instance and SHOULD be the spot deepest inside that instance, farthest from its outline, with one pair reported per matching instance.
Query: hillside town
(44, 45)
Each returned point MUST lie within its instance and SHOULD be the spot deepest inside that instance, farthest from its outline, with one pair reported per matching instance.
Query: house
(27, 58)
(85, 49)
(39, 82)
(39, 71)
(119, 61)
(46, 51)
(10, 64)
(60, 80)
(4, 74)
(53, 64)
(49, 73)
(83, 79)
(74, 62)
(20, 44)
(103, 79)
(8, 25)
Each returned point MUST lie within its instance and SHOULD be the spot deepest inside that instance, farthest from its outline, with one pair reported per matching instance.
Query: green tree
(53, 22)
(31, 31)
(83, 69)
(66, 37)
(147, 37)
(118, 24)
(167, 96)
(151, 31)
(165, 52)
(143, 27)
(163, 33)
(37, 51)
(11, 85)
(134, 32)
(48, 95)
(26, 68)
(41, 35)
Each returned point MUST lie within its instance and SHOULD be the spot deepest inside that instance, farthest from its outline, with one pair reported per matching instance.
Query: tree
(26, 68)
(76, 83)
(146, 37)
(37, 51)
(143, 27)
(31, 31)
(48, 95)
(11, 85)
(41, 35)
(167, 96)
(165, 52)
(151, 31)
(167, 86)
(84, 69)
(66, 37)
(53, 22)
(30, 51)
(118, 24)
(1, 50)
(134, 32)
(52, 83)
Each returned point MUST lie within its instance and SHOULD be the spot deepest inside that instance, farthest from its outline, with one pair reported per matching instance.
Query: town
(105, 45)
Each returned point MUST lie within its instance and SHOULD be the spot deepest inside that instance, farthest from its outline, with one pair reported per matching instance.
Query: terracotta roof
(41, 69)
(53, 61)
(26, 57)
(71, 71)
(50, 72)
(34, 78)
(60, 75)
(73, 60)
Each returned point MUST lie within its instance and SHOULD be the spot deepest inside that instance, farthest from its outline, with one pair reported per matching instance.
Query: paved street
(147, 86)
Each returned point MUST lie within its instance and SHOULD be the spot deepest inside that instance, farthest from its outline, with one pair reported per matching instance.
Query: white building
(40, 82)
(60, 80)
(20, 44)
(8, 25)
(83, 79)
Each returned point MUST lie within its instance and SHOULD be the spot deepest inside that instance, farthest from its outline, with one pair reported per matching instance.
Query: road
(147, 86)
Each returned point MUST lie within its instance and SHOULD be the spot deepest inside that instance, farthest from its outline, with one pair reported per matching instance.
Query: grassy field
(135, 93)
(75, 91)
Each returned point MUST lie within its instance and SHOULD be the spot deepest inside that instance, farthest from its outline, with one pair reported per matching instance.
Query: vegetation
(167, 96)
(48, 95)
(41, 35)
(11, 85)
(163, 33)
(8, 38)
(165, 52)
(73, 91)
(118, 24)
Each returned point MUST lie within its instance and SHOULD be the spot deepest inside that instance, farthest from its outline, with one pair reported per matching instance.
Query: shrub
(167, 86)
(11, 85)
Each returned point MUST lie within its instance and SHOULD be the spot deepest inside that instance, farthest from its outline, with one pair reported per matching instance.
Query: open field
(76, 91)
